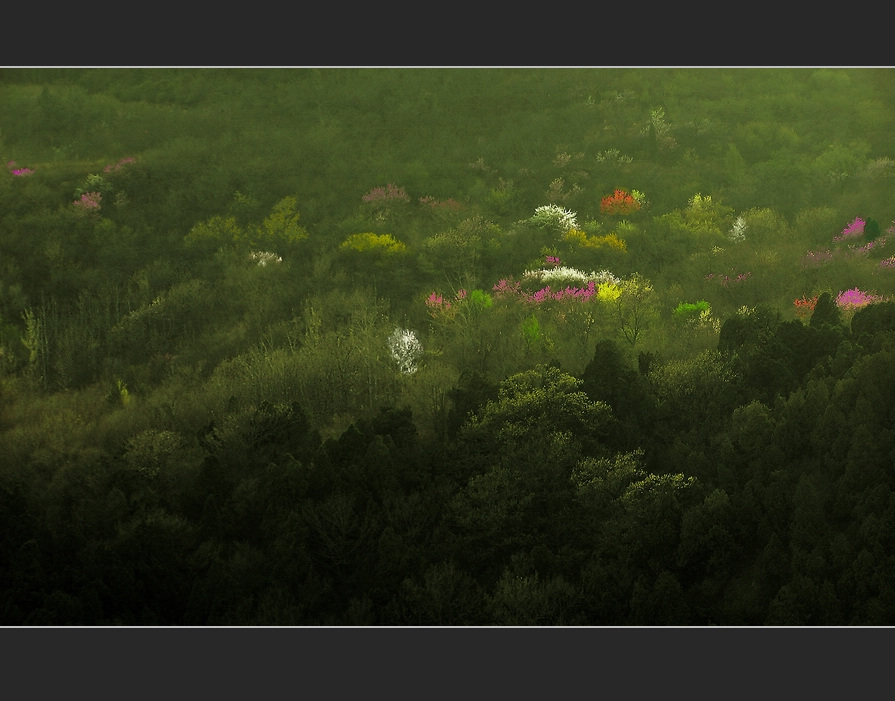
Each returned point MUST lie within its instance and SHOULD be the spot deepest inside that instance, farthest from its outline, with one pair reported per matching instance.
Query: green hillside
(428, 346)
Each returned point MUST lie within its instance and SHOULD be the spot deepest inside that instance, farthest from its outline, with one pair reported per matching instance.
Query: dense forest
(447, 347)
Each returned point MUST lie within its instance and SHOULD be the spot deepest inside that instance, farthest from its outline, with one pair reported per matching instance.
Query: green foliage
(256, 435)
(686, 311)
(216, 231)
(840, 161)
(766, 227)
(94, 183)
(384, 245)
(696, 393)
(193, 439)
(531, 330)
(635, 307)
(703, 222)
(826, 312)
(734, 164)
(123, 393)
(480, 299)
(161, 325)
(281, 227)
(455, 256)
(543, 401)
(34, 339)
(611, 377)
(154, 451)
(279, 231)
(604, 480)
(871, 321)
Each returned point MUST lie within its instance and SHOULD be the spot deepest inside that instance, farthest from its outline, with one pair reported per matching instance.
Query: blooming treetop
(856, 228)
(89, 202)
(563, 273)
(854, 299)
(405, 349)
(265, 258)
(621, 202)
(805, 306)
(737, 233)
(551, 216)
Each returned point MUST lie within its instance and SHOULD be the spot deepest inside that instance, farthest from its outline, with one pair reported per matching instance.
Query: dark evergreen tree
(826, 312)
(610, 378)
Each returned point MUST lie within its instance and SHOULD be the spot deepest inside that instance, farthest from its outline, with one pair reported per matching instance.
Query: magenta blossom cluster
(512, 288)
(570, 293)
(506, 288)
(554, 261)
(856, 298)
(11, 166)
(113, 167)
(438, 304)
(856, 228)
(387, 193)
(727, 280)
(89, 202)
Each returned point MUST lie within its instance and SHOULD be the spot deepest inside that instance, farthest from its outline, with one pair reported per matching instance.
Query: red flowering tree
(619, 202)
(805, 306)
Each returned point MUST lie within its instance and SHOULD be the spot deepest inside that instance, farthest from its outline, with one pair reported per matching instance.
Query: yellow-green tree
(280, 231)
(376, 247)
(367, 255)
(703, 220)
(281, 227)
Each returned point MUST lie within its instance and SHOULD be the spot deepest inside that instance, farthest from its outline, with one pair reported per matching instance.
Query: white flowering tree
(737, 233)
(553, 216)
(405, 349)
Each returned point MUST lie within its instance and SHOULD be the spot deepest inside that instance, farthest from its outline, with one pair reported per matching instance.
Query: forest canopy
(447, 346)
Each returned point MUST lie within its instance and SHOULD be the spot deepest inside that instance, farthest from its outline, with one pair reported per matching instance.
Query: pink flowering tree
(849, 301)
(385, 200)
(89, 202)
(564, 300)
(16, 171)
(854, 230)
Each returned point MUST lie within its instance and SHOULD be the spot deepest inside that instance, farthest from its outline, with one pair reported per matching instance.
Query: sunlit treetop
(551, 216)
(384, 243)
(620, 202)
(281, 228)
(282, 225)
